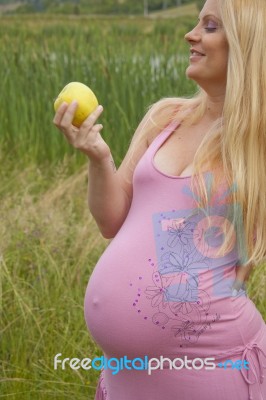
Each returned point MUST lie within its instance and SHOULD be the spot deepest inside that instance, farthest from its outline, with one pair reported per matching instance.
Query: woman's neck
(214, 109)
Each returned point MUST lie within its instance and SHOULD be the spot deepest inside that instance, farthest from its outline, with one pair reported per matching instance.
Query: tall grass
(49, 242)
(127, 63)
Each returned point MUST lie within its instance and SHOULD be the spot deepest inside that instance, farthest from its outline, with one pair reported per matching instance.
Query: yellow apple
(87, 101)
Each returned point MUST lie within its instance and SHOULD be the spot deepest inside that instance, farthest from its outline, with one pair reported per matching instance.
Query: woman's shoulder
(167, 111)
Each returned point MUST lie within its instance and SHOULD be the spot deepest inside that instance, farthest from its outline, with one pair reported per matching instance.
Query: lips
(194, 52)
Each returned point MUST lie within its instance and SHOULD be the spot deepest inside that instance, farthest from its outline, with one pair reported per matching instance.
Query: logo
(145, 363)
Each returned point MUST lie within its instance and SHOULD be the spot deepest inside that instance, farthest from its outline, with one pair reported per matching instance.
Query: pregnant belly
(134, 308)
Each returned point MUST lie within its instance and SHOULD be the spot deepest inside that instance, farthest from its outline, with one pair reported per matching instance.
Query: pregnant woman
(186, 212)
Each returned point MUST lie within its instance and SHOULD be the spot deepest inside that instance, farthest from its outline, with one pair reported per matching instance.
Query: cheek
(220, 57)
(218, 48)
(224, 59)
(224, 51)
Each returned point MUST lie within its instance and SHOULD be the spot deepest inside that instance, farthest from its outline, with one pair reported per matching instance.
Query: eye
(211, 26)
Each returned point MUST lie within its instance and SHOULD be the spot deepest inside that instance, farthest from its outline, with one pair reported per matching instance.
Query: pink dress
(160, 289)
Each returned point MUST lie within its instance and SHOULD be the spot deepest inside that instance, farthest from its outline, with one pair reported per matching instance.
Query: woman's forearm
(108, 202)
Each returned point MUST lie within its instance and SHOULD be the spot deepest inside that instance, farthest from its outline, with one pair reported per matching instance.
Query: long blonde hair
(238, 139)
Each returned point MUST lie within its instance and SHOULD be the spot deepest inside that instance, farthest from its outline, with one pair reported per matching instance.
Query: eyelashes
(208, 29)
(211, 27)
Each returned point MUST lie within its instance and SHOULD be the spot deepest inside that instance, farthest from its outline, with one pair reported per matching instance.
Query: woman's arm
(108, 202)
(109, 190)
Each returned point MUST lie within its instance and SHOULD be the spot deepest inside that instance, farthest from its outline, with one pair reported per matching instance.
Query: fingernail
(100, 108)
(234, 292)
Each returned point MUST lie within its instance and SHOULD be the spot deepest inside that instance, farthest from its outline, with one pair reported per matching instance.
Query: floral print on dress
(187, 244)
(176, 295)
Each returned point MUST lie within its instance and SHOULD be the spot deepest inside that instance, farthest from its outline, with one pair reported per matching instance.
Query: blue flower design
(181, 232)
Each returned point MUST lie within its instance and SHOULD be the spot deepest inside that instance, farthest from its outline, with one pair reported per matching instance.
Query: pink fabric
(101, 393)
(161, 289)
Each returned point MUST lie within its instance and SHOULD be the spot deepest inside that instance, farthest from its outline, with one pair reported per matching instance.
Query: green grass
(174, 12)
(49, 242)
(38, 57)
(82, 7)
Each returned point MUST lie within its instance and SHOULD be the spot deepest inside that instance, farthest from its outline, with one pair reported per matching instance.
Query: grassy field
(49, 242)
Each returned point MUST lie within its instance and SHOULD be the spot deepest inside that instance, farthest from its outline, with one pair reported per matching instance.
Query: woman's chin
(190, 74)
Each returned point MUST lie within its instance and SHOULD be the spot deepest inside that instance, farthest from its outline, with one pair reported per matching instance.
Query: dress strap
(257, 352)
(162, 136)
(253, 353)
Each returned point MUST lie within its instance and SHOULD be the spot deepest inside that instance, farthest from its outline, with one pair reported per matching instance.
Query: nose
(193, 36)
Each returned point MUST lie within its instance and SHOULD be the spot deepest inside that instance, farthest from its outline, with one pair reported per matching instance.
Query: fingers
(90, 121)
(59, 113)
(65, 114)
(87, 137)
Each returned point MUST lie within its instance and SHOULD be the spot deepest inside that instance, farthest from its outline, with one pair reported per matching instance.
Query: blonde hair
(238, 140)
